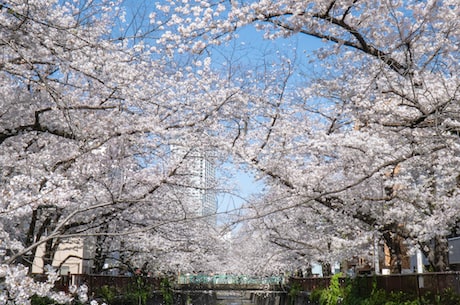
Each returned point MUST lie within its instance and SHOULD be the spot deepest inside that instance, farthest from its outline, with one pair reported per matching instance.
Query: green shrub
(381, 297)
(107, 293)
(333, 294)
(36, 300)
(359, 294)
(294, 290)
(447, 297)
(138, 292)
(315, 295)
(354, 292)
(166, 292)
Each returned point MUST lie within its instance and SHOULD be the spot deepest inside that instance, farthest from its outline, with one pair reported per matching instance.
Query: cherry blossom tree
(364, 144)
(372, 136)
(87, 127)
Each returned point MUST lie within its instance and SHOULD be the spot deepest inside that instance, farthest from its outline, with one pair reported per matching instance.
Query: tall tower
(204, 173)
(199, 167)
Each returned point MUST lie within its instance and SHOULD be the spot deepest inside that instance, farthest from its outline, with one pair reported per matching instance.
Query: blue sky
(252, 46)
(248, 50)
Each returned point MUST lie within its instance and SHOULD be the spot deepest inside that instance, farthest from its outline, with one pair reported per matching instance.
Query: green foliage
(107, 294)
(334, 294)
(166, 292)
(447, 297)
(356, 292)
(381, 297)
(315, 295)
(138, 292)
(294, 290)
(36, 300)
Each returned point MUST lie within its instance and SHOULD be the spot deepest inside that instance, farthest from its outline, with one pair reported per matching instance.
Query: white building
(204, 180)
(199, 166)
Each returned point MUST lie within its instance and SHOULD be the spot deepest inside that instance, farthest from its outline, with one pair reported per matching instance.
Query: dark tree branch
(361, 44)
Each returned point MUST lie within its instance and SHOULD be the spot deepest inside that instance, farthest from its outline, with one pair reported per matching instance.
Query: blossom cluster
(18, 287)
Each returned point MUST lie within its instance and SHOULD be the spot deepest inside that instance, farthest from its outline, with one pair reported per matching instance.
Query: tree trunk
(327, 271)
(27, 259)
(43, 220)
(100, 255)
(399, 259)
(438, 253)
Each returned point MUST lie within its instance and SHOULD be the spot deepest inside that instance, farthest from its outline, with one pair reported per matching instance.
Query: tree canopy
(369, 144)
(357, 145)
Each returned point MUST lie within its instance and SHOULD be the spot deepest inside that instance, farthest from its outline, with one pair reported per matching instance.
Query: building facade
(72, 256)
(201, 190)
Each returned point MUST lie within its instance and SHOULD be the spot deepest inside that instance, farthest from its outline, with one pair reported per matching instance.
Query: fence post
(417, 279)
(457, 288)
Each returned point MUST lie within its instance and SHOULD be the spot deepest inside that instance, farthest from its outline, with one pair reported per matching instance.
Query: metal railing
(228, 279)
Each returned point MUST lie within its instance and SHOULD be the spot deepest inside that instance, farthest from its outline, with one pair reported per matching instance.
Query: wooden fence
(96, 282)
(415, 283)
(412, 283)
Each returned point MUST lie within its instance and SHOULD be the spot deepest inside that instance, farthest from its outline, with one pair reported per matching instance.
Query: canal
(233, 298)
